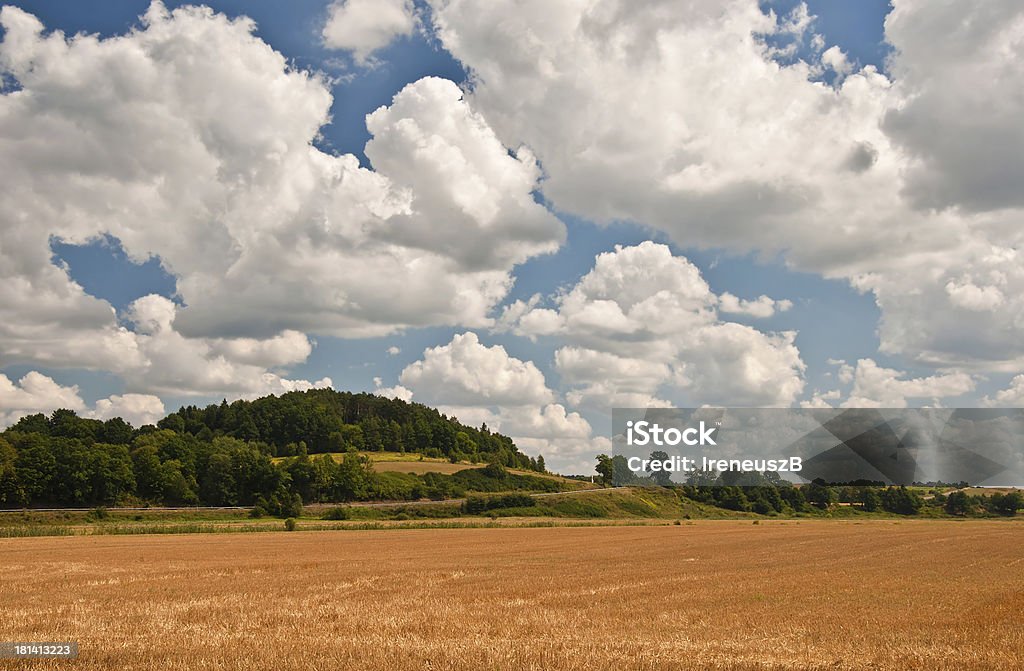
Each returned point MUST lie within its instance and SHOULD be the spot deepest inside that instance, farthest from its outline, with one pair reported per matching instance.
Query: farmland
(708, 594)
(393, 462)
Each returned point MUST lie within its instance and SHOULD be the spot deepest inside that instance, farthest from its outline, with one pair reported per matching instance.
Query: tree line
(768, 493)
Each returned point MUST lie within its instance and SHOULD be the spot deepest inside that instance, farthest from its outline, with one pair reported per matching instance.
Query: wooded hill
(335, 421)
(221, 455)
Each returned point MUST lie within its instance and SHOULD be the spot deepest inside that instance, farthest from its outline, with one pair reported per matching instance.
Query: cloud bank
(191, 140)
(681, 116)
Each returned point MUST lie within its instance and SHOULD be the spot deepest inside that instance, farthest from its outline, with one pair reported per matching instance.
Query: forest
(224, 455)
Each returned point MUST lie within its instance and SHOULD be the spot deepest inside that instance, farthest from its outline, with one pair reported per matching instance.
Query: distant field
(573, 484)
(408, 462)
(420, 467)
(395, 456)
(989, 491)
(440, 466)
(397, 462)
(705, 595)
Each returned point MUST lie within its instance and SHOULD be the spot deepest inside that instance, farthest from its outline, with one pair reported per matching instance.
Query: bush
(337, 513)
(388, 486)
(730, 498)
(794, 498)
(870, 499)
(820, 495)
(289, 524)
(291, 506)
(474, 505)
(959, 503)
(495, 470)
(281, 504)
(764, 500)
(478, 480)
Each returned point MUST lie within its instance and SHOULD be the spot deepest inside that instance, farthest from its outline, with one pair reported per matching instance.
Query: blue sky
(834, 321)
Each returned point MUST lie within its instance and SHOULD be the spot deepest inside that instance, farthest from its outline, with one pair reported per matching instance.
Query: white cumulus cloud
(875, 386)
(171, 363)
(762, 306)
(643, 330)
(1011, 397)
(136, 409)
(397, 391)
(364, 26)
(38, 393)
(467, 372)
(484, 384)
(34, 393)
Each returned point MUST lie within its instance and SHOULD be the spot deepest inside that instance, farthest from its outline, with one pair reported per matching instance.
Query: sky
(521, 212)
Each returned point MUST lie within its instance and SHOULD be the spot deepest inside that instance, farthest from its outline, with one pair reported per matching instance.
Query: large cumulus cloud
(485, 384)
(190, 139)
(679, 116)
(643, 329)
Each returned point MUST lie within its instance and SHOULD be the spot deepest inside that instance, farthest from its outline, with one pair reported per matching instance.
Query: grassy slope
(568, 484)
(408, 462)
(420, 467)
(627, 503)
(989, 491)
(656, 503)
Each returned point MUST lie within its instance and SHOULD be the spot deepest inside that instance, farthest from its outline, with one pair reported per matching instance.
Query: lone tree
(661, 477)
(604, 469)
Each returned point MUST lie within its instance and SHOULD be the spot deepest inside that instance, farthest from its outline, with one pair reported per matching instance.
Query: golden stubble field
(711, 595)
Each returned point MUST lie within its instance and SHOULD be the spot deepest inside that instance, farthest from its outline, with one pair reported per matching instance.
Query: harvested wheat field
(708, 595)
